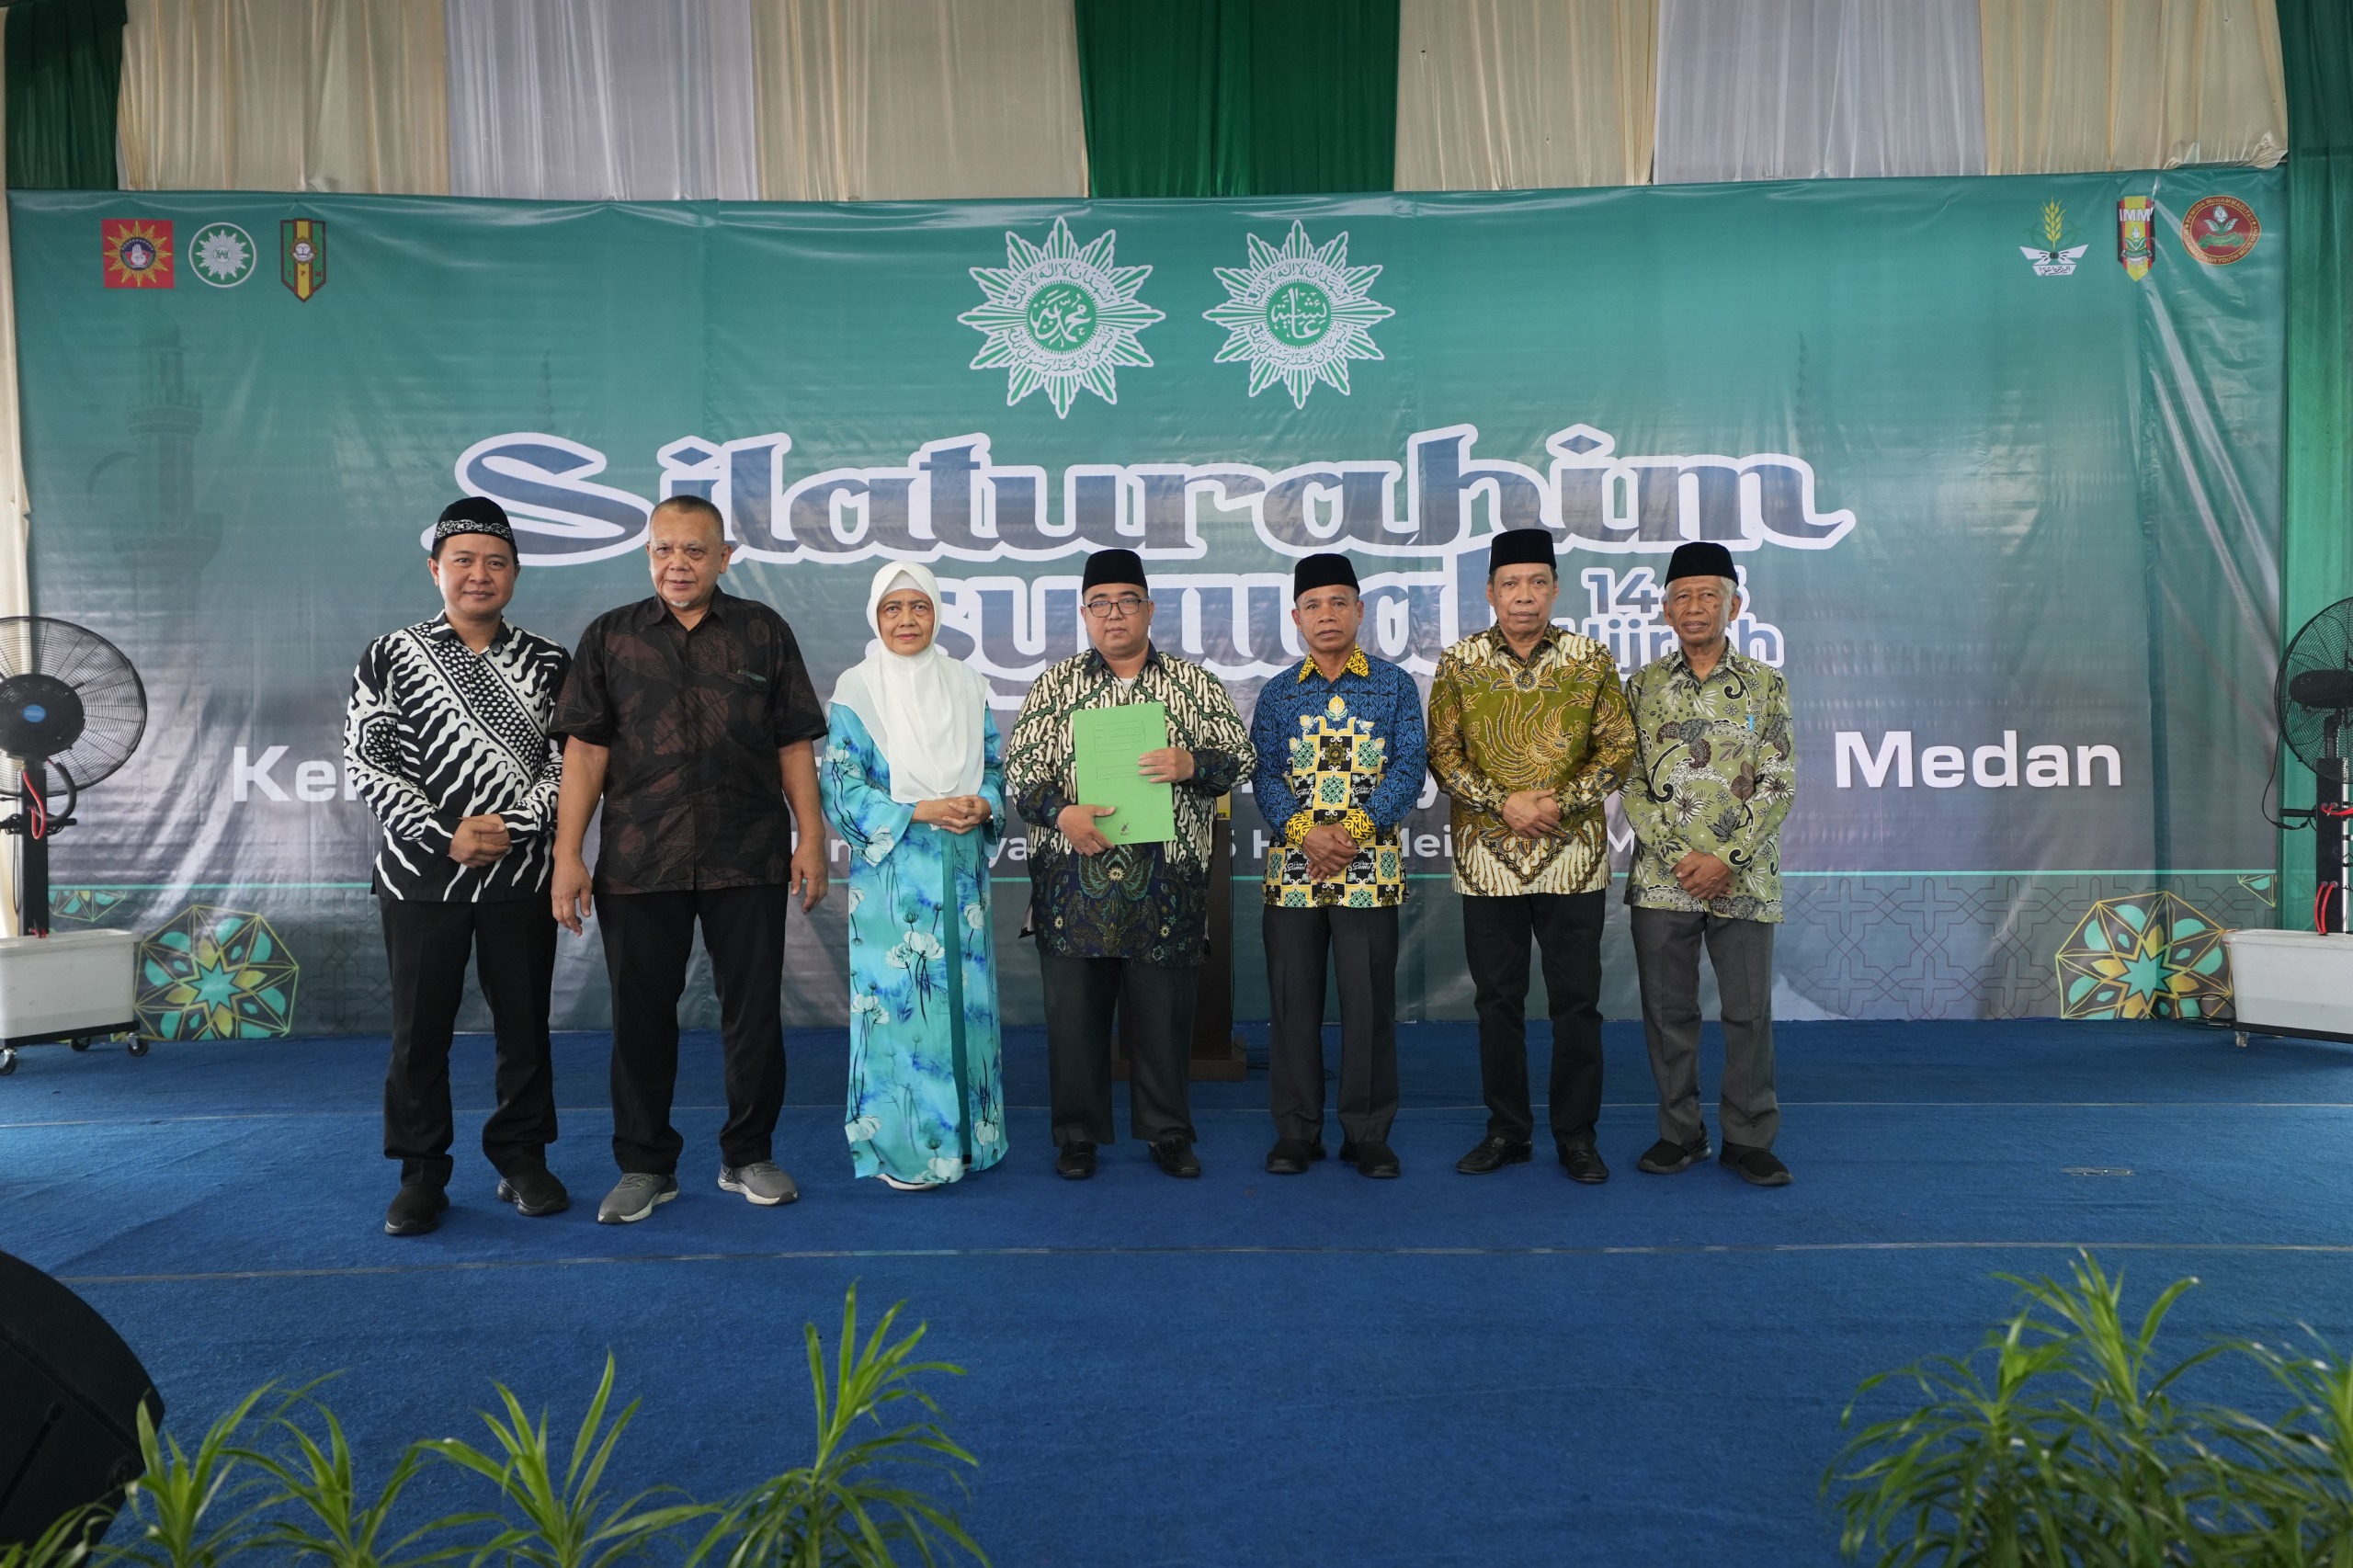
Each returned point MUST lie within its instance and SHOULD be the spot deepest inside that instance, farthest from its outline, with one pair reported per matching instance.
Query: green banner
(1999, 458)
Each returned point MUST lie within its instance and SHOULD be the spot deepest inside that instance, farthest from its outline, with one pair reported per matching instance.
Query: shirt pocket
(750, 696)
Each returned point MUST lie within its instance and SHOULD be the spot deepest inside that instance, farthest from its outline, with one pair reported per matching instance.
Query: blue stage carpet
(1239, 1371)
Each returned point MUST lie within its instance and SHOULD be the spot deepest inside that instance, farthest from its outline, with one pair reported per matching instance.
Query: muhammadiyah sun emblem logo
(1060, 317)
(223, 255)
(1298, 314)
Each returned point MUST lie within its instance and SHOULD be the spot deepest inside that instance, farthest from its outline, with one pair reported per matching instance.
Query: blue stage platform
(1240, 1370)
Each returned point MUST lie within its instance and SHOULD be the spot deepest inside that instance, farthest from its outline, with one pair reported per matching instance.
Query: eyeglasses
(1126, 604)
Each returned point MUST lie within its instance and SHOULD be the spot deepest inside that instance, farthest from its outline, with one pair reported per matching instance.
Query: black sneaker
(1292, 1156)
(1372, 1159)
(1494, 1153)
(1755, 1167)
(415, 1209)
(1665, 1158)
(1075, 1162)
(1583, 1162)
(1174, 1156)
(534, 1191)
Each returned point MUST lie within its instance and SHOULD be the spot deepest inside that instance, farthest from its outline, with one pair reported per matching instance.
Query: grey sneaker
(633, 1197)
(763, 1182)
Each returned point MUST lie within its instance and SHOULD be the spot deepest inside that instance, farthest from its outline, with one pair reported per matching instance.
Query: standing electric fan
(2314, 696)
(72, 711)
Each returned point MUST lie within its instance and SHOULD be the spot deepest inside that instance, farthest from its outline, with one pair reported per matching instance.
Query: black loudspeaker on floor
(70, 1391)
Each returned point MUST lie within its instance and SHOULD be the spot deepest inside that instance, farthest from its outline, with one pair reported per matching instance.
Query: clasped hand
(1532, 813)
(479, 841)
(956, 814)
(1704, 875)
(1329, 848)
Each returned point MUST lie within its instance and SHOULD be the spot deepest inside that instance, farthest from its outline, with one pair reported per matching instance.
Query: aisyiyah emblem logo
(302, 256)
(222, 254)
(2132, 215)
(1060, 317)
(2053, 256)
(1298, 315)
(138, 252)
(2220, 229)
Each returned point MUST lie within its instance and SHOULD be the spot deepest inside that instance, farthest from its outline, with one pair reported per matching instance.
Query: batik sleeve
(1450, 754)
(1405, 764)
(1609, 746)
(371, 751)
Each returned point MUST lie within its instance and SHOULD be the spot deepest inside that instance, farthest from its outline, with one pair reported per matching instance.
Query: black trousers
(427, 946)
(648, 938)
(1363, 947)
(1155, 1012)
(1566, 928)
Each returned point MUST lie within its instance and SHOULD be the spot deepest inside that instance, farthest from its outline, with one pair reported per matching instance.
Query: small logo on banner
(138, 252)
(2220, 229)
(222, 254)
(1298, 314)
(302, 256)
(2132, 216)
(2053, 257)
(1064, 317)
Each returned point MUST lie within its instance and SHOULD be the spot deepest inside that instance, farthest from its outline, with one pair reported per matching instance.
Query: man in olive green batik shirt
(1715, 770)
(1528, 732)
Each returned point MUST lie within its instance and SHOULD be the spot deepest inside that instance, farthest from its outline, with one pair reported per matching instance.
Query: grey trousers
(1666, 953)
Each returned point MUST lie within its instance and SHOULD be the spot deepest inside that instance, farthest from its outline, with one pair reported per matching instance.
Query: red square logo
(138, 252)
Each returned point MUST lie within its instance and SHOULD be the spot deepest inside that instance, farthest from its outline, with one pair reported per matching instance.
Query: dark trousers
(1666, 952)
(1566, 928)
(1363, 947)
(648, 938)
(1155, 1010)
(427, 945)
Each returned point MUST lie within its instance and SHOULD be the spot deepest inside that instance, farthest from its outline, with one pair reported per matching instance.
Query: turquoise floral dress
(926, 1095)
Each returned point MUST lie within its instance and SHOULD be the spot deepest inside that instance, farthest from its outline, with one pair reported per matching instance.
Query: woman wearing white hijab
(911, 779)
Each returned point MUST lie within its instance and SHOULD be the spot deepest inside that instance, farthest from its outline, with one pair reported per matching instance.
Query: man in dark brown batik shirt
(691, 717)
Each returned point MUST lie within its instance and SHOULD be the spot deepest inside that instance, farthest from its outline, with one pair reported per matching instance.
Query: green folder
(1107, 744)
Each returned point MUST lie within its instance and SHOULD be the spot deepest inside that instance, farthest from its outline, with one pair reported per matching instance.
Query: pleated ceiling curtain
(64, 66)
(917, 100)
(1238, 98)
(285, 95)
(1524, 95)
(2084, 85)
(2317, 546)
(630, 101)
(1805, 89)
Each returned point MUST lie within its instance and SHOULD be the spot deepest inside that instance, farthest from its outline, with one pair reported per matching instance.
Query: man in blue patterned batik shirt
(1340, 763)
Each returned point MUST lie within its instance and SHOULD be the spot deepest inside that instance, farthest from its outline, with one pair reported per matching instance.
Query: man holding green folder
(1116, 763)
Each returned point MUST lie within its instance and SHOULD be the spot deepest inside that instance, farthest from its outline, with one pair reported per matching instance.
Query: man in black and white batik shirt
(446, 739)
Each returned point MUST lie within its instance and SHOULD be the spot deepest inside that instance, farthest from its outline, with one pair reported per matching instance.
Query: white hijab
(926, 711)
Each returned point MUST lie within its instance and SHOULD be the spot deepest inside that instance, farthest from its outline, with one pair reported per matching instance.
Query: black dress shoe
(1292, 1156)
(1494, 1153)
(1075, 1161)
(1174, 1156)
(1756, 1166)
(534, 1191)
(1665, 1157)
(415, 1209)
(1583, 1162)
(1372, 1159)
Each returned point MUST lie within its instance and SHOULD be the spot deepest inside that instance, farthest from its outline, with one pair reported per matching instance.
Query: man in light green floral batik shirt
(1715, 768)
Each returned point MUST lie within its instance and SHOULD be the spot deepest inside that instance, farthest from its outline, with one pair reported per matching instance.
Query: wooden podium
(1216, 1050)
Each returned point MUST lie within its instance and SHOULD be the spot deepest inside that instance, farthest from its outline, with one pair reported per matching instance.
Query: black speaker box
(70, 1391)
